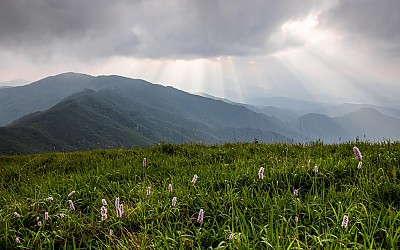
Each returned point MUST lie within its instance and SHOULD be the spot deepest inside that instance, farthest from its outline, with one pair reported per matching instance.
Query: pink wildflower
(50, 198)
(120, 211)
(195, 177)
(148, 191)
(119, 208)
(296, 193)
(103, 212)
(357, 153)
(170, 188)
(117, 203)
(46, 215)
(144, 162)
(173, 202)
(17, 240)
(71, 205)
(200, 217)
(104, 202)
(345, 221)
(261, 173)
(17, 214)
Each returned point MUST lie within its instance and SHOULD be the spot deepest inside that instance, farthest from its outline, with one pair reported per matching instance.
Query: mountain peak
(366, 111)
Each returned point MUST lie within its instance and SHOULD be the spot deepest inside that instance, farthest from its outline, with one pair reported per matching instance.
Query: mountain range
(12, 83)
(72, 111)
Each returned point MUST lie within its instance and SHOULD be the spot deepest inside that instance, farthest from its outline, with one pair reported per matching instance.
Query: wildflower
(231, 236)
(359, 165)
(17, 214)
(195, 177)
(37, 218)
(104, 202)
(72, 193)
(71, 205)
(170, 188)
(345, 221)
(117, 203)
(357, 153)
(144, 162)
(17, 240)
(103, 212)
(62, 216)
(39, 223)
(50, 198)
(173, 202)
(46, 215)
(111, 232)
(120, 210)
(316, 169)
(296, 193)
(261, 173)
(201, 216)
(148, 191)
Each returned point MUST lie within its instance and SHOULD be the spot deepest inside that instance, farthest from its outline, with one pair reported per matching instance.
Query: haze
(336, 51)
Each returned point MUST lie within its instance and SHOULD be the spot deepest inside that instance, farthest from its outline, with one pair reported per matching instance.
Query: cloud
(354, 42)
(372, 25)
(176, 29)
(52, 29)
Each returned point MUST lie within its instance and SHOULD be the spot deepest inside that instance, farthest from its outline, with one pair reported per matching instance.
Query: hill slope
(364, 123)
(38, 96)
(370, 124)
(124, 112)
(316, 126)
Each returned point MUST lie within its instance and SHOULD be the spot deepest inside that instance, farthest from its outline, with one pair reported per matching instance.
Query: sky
(318, 50)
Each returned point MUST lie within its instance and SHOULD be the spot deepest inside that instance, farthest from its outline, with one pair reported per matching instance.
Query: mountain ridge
(125, 112)
(150, 113)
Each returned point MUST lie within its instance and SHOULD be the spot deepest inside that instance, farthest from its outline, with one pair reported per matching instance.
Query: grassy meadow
(241, 211)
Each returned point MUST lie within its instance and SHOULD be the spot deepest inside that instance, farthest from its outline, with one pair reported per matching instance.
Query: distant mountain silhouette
(286, 103)
(317, 126)
(345, 108)
(74, 111)
(15, 82)
(370, 124)
(364, 124)
(38, 96)
(124, 112)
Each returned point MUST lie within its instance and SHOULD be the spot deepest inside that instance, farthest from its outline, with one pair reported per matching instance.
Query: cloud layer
(181, 28)
(342, 38)
(153, 28)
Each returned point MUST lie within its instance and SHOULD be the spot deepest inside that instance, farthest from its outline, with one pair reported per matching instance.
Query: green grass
(259, 213)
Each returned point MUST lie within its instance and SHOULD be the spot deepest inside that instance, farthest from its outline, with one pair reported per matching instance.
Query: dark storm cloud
(90, 29)
(370, 22)
(151, 28)
(77, 28)
(213, 28)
